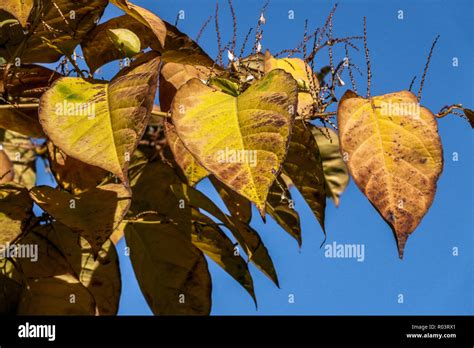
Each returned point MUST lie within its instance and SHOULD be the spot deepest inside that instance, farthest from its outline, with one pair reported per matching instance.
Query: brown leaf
(395, 156)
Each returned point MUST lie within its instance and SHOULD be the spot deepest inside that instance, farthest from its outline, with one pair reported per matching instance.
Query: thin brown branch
(426, 67)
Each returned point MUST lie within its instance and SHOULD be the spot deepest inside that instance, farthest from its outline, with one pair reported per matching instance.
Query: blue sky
(430, 278)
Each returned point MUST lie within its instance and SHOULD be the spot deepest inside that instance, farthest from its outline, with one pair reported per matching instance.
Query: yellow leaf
(175, 75)
(395, 156)
(192, 170)
(101, 123)
(301, 72)
(19, 8)
(241, 140)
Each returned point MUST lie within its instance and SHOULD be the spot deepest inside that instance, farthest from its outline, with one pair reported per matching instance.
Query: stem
(161, 114)
(19, 106)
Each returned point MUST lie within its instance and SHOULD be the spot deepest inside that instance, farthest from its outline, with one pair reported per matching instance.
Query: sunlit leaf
(94, 214)
(20, 9)
(247, 156)
(175, 75)
(15, 211)
(394, 156)
(301, 72)
(98, 47)
(335, 170)
(192, 170)
(171, 271)
(304, 167)
(101, 123)
(126, 41)
(147, 18)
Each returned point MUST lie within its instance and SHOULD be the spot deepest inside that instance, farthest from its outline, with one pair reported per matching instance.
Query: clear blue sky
(431, 279)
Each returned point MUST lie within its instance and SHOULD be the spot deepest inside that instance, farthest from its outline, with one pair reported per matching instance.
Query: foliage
(258, 128)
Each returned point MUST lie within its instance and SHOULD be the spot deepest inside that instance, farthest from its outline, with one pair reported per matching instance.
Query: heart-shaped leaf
(247, 156)
(101, 123)
(394, 155)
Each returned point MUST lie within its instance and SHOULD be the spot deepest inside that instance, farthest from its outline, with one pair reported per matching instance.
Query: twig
(201, 31)
(367, 59)
(219, 41)
(426, 67)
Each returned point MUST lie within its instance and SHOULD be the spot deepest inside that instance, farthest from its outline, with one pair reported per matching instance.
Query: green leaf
(335, 170)
(15, 211)
(212, 241)
(101, 123)
(192, 170)
(225, 85)
(126, 41)
(247, 156)
(101, 275)
(99, 49)
(171, 271)
(94, 214)
(147, 18)
(280, 207)
(304, 167)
